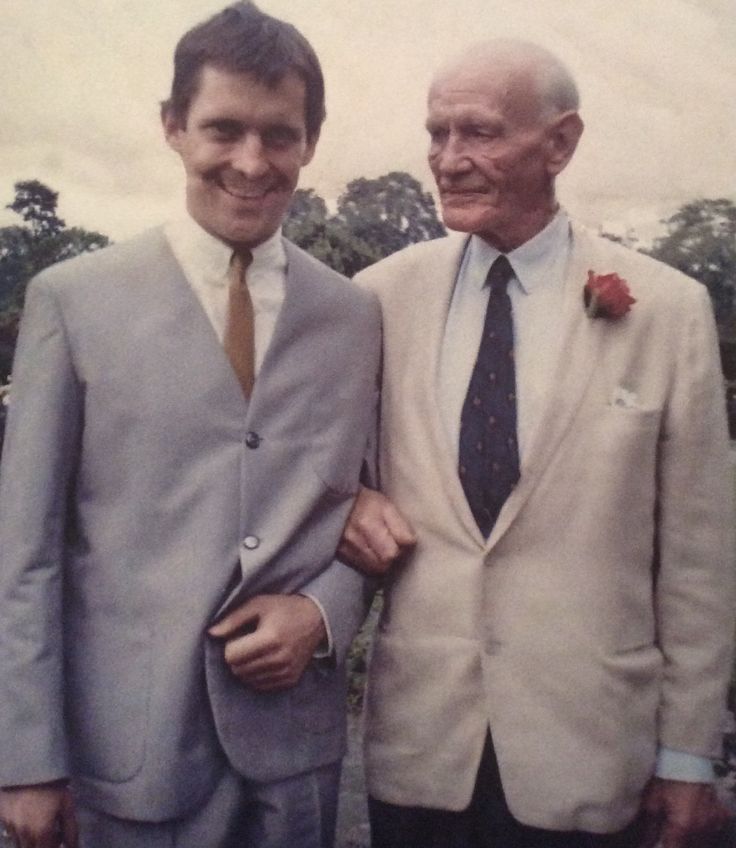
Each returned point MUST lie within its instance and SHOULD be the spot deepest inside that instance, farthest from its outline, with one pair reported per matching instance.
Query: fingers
(34, 815)
(651, 815)
(398, 526)
(681, 814)
(273, 656)
(242, 620)
(376, 534)
(68, 824)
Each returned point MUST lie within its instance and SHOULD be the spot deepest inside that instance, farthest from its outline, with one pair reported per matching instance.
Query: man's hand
(681, 815)
(39, 816)
(270, 639)
(376, 534)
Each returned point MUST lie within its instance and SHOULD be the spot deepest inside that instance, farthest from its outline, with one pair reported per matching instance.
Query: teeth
(244, 192)
(245, 195)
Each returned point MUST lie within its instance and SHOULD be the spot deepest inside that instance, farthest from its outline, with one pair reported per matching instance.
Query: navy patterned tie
(489, 456)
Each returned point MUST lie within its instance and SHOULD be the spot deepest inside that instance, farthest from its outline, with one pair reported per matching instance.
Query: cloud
(658, 83)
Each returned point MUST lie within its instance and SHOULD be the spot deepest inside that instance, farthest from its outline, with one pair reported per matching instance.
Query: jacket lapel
(303, 304)
(437, 296)
(578, 357)
(189, 347)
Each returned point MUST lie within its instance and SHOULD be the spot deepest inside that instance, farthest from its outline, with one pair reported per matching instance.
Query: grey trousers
(299, 812)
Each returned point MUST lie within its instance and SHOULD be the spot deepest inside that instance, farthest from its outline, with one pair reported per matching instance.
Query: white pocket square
(623, 397)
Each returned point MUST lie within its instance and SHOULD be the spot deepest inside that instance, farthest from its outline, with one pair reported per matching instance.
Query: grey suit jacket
(133, 470)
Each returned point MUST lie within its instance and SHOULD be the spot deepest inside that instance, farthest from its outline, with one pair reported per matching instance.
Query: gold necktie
(239, 338)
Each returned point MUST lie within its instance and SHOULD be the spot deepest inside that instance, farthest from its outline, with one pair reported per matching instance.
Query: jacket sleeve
(38, 463)
(343, 597)
(695, 578)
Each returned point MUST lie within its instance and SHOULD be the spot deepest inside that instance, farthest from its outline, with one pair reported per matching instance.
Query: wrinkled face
(488, 153)
(243, 144)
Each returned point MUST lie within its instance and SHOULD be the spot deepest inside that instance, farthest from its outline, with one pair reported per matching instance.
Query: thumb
(68, 823)
(402, 532)
(244, 618)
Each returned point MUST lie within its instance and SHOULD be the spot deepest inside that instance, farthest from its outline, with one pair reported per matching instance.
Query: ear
(563, 135)
(310, 149)
(172, 127)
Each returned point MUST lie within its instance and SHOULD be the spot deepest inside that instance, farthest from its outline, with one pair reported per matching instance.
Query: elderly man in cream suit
(189, 418)
(553, 652)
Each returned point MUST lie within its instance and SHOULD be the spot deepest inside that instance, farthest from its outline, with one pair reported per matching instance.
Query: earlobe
(564, 135)
(172, 129)
(310, 149)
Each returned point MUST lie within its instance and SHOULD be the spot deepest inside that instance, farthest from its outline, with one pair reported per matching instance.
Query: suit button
(251, 542)
(492, 646)
(252, 440)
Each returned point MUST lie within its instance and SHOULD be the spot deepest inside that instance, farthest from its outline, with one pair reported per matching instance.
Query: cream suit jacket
(596, 621)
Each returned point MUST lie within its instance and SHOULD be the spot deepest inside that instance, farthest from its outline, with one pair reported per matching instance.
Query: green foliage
(357, 664)
(36, 205)
(326, 238)
(701, 242)
(374, 218)
(26, 249)
(390, 212)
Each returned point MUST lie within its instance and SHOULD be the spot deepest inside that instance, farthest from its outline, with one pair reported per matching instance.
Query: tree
(26, 249)
(309, 225)
(36, 205)
(390, 212)
(374, 218)
(701, 242)
(307, 216)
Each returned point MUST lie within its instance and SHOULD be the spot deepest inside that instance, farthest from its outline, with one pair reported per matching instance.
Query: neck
(525, 227)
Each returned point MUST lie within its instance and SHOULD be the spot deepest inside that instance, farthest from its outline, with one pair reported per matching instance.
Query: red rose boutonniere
(606, 296)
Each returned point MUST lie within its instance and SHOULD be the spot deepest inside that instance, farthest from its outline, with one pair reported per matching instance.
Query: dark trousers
(486, 823)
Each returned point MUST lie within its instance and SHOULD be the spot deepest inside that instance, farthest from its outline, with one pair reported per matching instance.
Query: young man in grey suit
(189, 415)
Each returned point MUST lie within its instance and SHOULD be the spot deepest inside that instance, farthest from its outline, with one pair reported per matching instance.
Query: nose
(449, 156)
(249, 156)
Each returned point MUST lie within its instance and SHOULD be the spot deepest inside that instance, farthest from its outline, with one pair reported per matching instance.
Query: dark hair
(242, 39)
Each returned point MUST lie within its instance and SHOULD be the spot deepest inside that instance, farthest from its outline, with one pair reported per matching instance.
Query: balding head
(541, 80)
(503, 123)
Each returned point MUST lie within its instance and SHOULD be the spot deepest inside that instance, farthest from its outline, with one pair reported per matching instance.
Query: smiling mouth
(244, 192)
(463, 192)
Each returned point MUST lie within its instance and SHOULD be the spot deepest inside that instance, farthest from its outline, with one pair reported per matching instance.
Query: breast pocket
(621, 448)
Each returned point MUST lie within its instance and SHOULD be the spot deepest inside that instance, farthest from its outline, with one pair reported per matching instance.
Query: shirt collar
(198, 249)
(530, 261)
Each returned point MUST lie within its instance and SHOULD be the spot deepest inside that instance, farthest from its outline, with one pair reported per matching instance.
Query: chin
(463, 220)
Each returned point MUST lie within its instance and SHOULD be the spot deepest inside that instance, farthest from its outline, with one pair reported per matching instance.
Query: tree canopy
(701, 242)
(25, 249)
(374, 218)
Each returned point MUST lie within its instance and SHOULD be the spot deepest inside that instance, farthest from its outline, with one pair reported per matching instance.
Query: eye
(437, 135)
(482, 132)
(223, 130)
(487, 133)
(280, 137)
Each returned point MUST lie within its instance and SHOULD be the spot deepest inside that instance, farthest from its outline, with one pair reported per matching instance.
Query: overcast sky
(82, 80)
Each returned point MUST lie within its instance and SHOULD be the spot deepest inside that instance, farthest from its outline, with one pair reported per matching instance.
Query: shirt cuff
(325, 649)
(677, 765)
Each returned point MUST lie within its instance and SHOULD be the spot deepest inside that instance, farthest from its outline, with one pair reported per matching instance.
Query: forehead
(490, 87)
(240, 96)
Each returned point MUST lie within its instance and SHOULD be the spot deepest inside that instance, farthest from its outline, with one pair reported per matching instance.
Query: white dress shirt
(536, 297)
(536, 304)
(205, 261)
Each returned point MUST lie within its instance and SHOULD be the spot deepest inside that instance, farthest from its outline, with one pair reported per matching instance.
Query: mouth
(241, 190)
(460, 193)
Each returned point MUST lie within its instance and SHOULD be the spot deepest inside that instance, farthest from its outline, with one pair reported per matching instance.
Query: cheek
(202, 160)
(289, 165)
